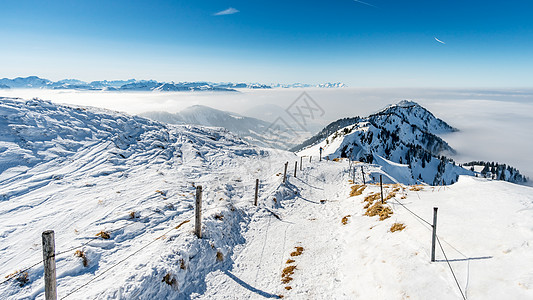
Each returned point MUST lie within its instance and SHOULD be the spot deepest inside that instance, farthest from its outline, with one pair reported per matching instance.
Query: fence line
(440, 245)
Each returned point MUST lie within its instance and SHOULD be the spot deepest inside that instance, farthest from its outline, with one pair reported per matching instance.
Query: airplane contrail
(365, 3)
(437, 40)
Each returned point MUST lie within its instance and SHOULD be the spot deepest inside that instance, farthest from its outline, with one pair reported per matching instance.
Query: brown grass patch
(81, 254)
(290, 261)
(132, 215)
(345, 219)
(220, 256)
(183, 266)
(416, 188)
(380, 210)
(21, 277)
(357, 190)
(397, 227)
(286, 274)
(219, 217)
(104, 234)
(161, 192)
(298, 252)
(337, 159)
(170, 280)
(288, 288)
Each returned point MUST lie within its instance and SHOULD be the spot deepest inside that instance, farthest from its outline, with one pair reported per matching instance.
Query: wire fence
(440, 245)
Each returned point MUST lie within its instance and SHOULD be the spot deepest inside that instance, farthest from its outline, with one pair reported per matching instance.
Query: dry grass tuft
(161, 192)
(219, 217)
(81, 254)
(104, 234)
(298, 252)
(23, 278)
(345, 219)
(290, 261)
(337, 159)
(286, 274)
(183, 266)
(288, 288)
(397, 227)
(380, 210)
(220, 256)
(357, 190)
(170, 280)
(132, 215)
(416, 188)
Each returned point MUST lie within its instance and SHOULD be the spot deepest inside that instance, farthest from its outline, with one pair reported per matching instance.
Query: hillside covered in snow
(252, 130)
(403, 138)
(119, 192)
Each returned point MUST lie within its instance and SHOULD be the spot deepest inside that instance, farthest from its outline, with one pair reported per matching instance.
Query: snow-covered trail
(363, 259)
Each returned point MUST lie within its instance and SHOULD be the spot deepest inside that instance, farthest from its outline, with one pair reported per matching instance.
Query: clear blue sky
(386, 43)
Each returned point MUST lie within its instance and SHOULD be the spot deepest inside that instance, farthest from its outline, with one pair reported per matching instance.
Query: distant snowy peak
(142, 85)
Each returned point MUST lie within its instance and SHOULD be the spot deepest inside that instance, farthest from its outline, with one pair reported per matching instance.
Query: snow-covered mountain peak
(411, 113)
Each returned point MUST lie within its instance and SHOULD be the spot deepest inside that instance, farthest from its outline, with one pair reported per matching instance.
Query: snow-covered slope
(255, 131)
(80, 171)
(403, 133)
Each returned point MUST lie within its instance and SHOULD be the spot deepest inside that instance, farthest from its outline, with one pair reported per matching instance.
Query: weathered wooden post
(49, 261)
(295, 168)
(434, 237)
(381, 185)
(256, 191)
(363, 173)
(310, 158)
(353, 175)
(285, 172)
(301, 162)
(198, 212)
(320, 154)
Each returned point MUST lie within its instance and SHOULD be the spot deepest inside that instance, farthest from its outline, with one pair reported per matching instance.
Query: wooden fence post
(310, 158)
(434, 236)
(363, 173)
(353, 175)
(295, 168)
(49, 261)
(381, 185)
(301, 162)
(198, 212)
(285, 172)
(256, 191)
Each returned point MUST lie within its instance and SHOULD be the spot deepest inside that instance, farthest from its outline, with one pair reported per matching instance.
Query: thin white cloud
(368, 4)
(440, 41)
(229, 11)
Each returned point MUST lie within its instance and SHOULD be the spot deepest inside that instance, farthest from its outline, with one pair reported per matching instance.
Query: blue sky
(385, 44)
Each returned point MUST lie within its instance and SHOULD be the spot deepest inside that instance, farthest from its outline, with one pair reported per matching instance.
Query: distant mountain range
(254, 131)
(34, 82)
